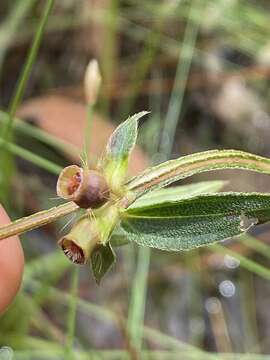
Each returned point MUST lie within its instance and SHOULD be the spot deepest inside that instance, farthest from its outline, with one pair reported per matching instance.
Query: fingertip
(11, 265)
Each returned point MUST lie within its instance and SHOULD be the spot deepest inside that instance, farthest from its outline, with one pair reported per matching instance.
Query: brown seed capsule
(81, 241)
(87, 188)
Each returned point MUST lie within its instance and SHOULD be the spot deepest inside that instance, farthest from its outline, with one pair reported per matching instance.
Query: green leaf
(119, 237)
(122, 141)
(177, 193)
(196, 221)
(102, 260)
(173, 170)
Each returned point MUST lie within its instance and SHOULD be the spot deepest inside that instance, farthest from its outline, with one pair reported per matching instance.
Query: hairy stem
(173, 170)
(36, 220)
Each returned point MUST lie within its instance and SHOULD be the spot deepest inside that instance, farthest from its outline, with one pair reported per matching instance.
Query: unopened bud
(87, 188)
(92, 82)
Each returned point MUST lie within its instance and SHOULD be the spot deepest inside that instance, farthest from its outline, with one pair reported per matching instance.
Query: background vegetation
(202, 67)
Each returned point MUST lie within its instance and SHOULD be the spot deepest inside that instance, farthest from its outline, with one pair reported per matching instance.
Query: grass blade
(71, 321)
(20, 88)
(7, 163)
(31, 156)
(138, 298)
(182, 72)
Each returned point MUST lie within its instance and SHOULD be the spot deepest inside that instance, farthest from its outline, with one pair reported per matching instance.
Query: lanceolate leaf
(120, 144)
(102, 259)
(173, 170)
(177, 193)
(196, 221)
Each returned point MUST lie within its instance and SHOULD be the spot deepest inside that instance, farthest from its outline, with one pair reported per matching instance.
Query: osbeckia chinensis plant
(115, 210)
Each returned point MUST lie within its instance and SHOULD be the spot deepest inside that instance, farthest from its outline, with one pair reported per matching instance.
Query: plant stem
(180, 81)
(138, 297)
(147, 57)
(9, 27)
(71, 321)
(109, 53)
(87, 137)
(7, 163)
(31, 57)
(36, 220)
(139, 286)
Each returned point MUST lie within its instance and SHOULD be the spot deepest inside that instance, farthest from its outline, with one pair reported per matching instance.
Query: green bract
(114, 164)
(102, 260)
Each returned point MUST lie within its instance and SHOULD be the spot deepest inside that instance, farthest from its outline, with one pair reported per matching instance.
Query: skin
(11, 266)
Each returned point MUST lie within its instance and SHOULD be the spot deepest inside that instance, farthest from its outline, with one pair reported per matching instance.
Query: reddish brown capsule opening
(87, 188)
(74, 183)
(69, 182)
(72, 251)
